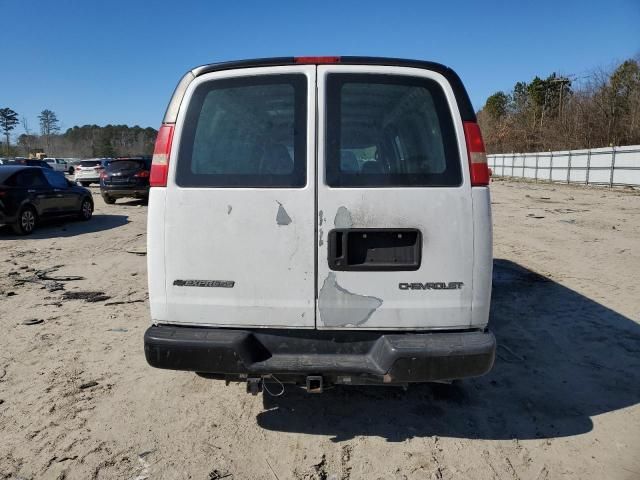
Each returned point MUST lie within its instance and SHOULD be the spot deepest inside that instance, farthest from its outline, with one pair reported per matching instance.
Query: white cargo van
(320, 220)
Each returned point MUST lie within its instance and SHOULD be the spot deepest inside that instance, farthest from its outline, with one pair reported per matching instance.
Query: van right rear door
(395, 224)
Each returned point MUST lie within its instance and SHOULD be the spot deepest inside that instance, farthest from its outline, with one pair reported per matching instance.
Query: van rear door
(395, 228)
(240, 200)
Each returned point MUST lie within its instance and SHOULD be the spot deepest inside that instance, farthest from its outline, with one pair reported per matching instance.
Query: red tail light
(477, 155)
(78, 168)
(142, 174)
(103, 174)
(316, 60)
(160, 162)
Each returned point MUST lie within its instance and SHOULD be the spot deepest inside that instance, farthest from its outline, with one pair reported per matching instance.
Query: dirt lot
(77, 399)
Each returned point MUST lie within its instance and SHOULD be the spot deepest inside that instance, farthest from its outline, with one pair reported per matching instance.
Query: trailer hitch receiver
(254, 385)
(314, 384)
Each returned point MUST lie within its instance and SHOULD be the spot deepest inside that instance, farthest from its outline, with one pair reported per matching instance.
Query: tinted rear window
(90, 163)
(124, 165)
(55, 179)
(385, 130)
(245, 132)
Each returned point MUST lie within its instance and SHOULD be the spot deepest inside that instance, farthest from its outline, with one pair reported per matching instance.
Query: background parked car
(32, 162)
(125, 177)
(88, 171)
(29, 194)
(58, 164)
(72, 163)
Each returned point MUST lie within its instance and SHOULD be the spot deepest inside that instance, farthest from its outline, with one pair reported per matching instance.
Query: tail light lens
(161, 152)
(103, 175)
(477, 155)
(142, 174)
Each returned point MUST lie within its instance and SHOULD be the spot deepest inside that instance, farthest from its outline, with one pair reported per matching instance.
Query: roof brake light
(316, 60)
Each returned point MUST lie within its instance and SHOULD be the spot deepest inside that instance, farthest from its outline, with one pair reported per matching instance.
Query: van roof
(462, 98)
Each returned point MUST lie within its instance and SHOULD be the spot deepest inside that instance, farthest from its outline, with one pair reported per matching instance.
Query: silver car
(88, 171)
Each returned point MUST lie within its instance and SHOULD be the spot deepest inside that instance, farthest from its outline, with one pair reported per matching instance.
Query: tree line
(561, 113)
(79, 141)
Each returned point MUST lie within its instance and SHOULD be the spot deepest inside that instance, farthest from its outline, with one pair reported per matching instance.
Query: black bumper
(339, 356)
(124, 191)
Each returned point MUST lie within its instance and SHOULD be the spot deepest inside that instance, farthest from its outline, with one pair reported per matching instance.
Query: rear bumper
(124, 191)
(86, 178)
(338, 356)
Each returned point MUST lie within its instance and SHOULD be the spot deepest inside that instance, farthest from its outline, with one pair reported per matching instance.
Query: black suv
(125, 177)
(28, 194)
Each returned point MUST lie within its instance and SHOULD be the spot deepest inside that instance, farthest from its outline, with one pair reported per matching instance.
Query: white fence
(598, 166)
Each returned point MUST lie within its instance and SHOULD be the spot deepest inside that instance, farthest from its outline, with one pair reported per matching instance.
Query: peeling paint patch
(320, 237)
(320, 218)
(282, 217)
(343, 218)
(339, 307)
(229, 208)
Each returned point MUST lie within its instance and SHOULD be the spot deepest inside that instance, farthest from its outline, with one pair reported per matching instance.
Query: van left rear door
(240, 201)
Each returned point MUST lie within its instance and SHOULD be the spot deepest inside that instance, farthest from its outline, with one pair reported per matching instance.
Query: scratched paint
(282, 217)
(340, 307)
(343, 218)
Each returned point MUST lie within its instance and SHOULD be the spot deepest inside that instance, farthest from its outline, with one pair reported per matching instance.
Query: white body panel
(57, 164)
(482, 256)
(242, 235)
(87, 174)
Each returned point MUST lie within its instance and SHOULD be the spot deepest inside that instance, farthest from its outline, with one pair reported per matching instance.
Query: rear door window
(386, 130)
(245, 132)
(30, 179)
(55, 179)
(90, 163)
(126, 165)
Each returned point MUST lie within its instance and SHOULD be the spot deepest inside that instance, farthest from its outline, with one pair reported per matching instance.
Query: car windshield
(123, 165)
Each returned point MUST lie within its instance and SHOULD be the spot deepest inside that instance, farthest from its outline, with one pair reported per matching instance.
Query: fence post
(513, 161)
(613, 166)
(524, 162)
(569, 168)
(588, 166)
(536, 174)
(551, 168)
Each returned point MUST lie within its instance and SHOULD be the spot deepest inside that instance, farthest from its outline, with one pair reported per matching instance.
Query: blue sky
(117, 61)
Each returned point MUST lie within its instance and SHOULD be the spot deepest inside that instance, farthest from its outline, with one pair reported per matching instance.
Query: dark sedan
(29, 194)
(125, 177)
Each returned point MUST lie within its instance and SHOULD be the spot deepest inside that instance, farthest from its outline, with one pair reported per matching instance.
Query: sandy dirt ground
(78, 401)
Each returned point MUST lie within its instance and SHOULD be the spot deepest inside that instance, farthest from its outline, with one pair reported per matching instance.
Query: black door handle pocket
(375, 249)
